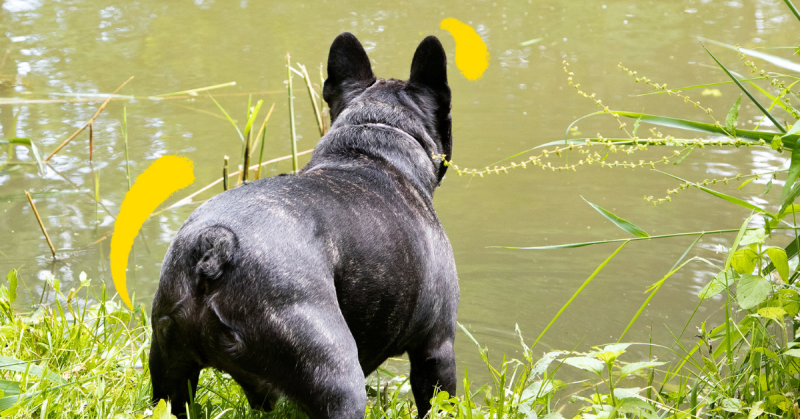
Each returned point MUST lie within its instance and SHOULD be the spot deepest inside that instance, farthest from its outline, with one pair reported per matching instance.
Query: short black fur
(302, 285)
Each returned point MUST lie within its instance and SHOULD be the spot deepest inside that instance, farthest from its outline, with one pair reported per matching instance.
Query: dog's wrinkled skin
(302, 285)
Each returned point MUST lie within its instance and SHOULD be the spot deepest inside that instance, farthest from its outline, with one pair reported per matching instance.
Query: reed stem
(89, 122)
(225, 174)
(246, 156)
(41, 224)
(91, 141)
(263, 134)
(125, 140)
(293, 138)
(313, 101)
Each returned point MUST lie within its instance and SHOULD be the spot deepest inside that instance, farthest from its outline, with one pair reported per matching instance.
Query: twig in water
(39, 219)
(89, 122)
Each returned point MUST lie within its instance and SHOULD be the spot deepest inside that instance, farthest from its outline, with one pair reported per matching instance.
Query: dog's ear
(348, 69)
(429, 66)
(429, 69)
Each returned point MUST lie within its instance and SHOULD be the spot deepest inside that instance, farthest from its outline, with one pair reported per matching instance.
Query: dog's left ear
(349, 71)
(429, 69)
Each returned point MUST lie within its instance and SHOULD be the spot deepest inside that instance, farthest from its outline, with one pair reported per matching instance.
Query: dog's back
(301, 285)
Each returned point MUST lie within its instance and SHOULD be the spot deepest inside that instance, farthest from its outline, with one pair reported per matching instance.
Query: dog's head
(421, 103)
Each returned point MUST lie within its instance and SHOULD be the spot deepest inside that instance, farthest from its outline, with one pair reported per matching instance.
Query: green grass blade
(794, 170)
(625, 225)
(228, 117)
(776, 100)
(675, 268)
(669, 122)
(777, 61)
(728, 198)
(580, 289)
(747, 92)
(193, 92)
(700, 86)
(792, 8)
(37, 156)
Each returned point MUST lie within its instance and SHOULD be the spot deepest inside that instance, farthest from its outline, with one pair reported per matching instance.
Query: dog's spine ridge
(217, 248)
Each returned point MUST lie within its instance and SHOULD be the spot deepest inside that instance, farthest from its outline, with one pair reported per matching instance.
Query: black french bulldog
(303, 285)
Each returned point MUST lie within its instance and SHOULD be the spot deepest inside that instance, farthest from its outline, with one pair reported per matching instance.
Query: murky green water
(59, 49)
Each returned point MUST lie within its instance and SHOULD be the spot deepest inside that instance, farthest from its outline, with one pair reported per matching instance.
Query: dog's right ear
(348, 69)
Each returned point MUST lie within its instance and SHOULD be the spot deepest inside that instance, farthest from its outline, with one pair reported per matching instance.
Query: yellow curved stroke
(472, 55)
(164, 177)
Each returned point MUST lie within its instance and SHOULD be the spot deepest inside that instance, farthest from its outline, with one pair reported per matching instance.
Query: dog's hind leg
(173, 374)
(433, 365)
(311, 357)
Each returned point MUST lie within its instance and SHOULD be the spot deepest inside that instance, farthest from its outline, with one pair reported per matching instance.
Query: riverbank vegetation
(85, 355)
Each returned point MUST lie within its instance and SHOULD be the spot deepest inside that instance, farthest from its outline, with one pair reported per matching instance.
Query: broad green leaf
(780, 261)
(637, 407)
(745, 261)
(772, 313)
(12, 285)
(731, 405)
(619, 222)
(794, 170)
(790, 301)
(733, 115)
(755, 236)
(771, 355)
(12, 364)
(9, 388)
(756, 410)
(636, 366)
(793, 130)
(718, 284)
(589, 364)
(793, 352)
(553, 415)
(542, 364)
(163, 410)
(626, 393)
(537, 390)
(752, 291)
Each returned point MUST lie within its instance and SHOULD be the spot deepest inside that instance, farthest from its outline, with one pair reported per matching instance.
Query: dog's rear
(301, 285)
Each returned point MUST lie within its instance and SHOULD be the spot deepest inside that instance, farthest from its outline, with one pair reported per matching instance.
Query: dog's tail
(215, 249)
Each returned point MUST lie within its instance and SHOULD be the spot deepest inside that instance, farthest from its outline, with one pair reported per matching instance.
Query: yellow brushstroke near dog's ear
(164, 177)
(472, 55)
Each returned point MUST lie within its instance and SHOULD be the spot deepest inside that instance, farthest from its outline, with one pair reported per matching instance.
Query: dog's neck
(406, 152)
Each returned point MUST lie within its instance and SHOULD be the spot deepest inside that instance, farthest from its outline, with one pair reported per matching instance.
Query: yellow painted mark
(164, 177)
(472, 55)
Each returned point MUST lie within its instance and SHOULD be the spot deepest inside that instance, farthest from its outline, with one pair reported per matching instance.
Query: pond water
(60, 51)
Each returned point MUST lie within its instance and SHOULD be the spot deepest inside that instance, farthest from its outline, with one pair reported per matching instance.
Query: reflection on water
(59, 52)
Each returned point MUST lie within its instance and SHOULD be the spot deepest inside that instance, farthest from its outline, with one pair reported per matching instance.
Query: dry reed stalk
(313, 101)
(292, 132)
(225, 174)
(91, 141)
(89, 122)
(41, 224)
(263, 139)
